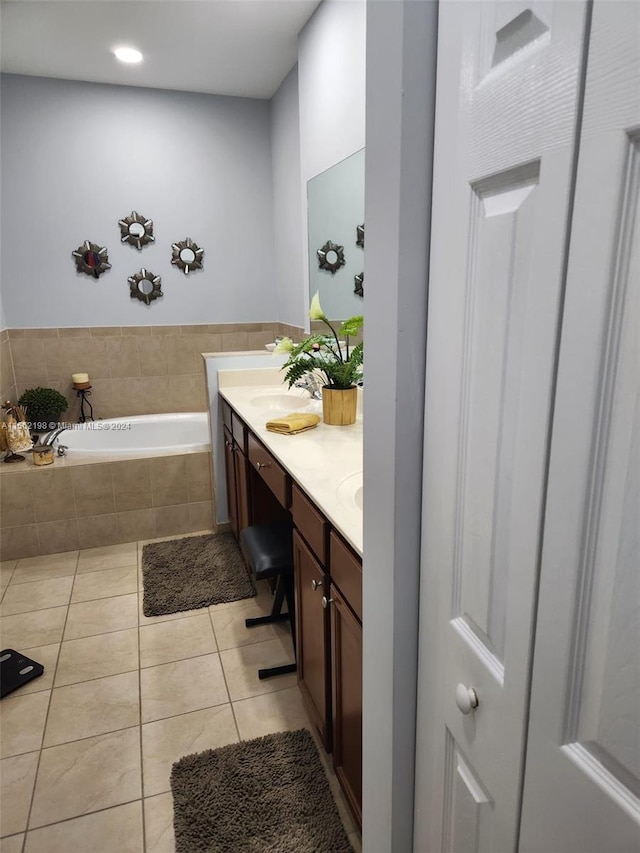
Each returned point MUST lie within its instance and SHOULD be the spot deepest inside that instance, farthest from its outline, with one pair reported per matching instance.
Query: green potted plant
(340, 367)
(44, 407)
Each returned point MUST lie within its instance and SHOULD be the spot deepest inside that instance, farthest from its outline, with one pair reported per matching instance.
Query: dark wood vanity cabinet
(235, 463)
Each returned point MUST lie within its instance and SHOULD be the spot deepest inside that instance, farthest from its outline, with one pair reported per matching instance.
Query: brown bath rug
(184, 574)
(268, 795)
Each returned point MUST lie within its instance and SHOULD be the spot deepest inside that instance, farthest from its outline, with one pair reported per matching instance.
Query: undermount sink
(350, 491)
(281, 403)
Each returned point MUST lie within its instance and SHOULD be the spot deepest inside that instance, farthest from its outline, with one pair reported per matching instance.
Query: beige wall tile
(168, 481)
(257, 340)
(165, 330)
(136, 524)
(132, 484)
(98, 530)
(198, 475)
(153, 394)
(233, 341)
(123, 356)
(58, 536)
(16, 505)
(138, 331)
(93, 489)
(201, 516)
(15, 333)
(41, 333)
(29, 361)
(187, 393)
(106, 331)
(75, 332)
(52, 496)
(126, 397)
(171, 519)
(18, 542)
(183, 358)
(153, 356)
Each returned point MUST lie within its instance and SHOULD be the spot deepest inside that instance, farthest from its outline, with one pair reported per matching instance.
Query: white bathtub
(139, 435)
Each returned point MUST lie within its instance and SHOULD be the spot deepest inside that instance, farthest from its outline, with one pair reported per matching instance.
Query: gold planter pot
(339, 406)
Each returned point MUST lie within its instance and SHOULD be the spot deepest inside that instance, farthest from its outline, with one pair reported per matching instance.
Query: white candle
(79, 378)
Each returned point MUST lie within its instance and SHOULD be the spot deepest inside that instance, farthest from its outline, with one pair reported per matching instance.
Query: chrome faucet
(311, 383)
(51, 436)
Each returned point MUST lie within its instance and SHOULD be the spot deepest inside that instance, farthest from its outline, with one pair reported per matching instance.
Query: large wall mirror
(335, 210)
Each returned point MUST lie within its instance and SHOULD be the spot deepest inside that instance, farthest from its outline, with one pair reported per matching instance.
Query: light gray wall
(401, 65)
(331, 83)
(288, 213)
(76, 157)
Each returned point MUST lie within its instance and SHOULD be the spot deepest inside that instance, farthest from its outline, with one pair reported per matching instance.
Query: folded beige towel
(292, 424)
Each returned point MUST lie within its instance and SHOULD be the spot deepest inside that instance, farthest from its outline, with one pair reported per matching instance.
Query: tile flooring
(86, 749)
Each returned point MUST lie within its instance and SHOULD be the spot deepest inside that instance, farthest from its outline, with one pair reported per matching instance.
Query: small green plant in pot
(339, 368)
(44, 407)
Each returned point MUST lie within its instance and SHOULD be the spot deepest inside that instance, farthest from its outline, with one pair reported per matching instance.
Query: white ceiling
(224, 47)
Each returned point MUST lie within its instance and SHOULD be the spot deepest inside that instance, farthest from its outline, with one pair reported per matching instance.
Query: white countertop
(326, 462)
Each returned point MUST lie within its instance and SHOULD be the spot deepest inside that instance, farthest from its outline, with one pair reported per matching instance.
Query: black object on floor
(15, 670)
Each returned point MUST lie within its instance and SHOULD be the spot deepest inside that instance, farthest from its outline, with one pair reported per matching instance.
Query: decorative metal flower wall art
(145, 286)
(358, 281)
(136, 230)
(187, 255)
(331, 257)
(360, 235)
(91, 259)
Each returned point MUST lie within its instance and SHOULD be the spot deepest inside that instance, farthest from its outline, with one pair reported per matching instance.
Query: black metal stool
(268, 550)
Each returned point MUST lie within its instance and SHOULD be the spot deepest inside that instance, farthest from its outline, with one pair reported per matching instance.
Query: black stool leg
(288, 592)
(276, 614)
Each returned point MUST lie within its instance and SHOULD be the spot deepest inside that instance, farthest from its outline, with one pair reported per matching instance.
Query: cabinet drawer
(239, 430)
(310, 522)
(271, 472)
(345, 569)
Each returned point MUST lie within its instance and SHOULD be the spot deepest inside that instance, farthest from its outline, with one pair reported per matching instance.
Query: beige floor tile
(108, 557)
(93, 708)
(87, 775)
(165, 741)
(166, 617)
(101, 616)
(105, 583)
(43, 568)
(158, 824)
(13, 844)
(262, 600)
(97, 657)
(17, 777)
(231, 632)
(7, 568)
(48, 657)
(176, 640)
(241, 668)
(36, 595)
(116, 830)
(22, 720)
(271, 712)
(25, 630)
(181, 686)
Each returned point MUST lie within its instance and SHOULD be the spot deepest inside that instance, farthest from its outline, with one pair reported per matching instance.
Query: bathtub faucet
(51, 437)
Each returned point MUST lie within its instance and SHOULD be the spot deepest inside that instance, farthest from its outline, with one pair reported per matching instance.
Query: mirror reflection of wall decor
(91, 259)
(331, 257)
(360, 235)
(145, 286)
(358, 282)
(187, 255)
(136, 230)
(335, 207)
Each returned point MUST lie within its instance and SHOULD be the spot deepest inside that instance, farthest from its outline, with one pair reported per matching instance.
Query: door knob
(466, 698)
(326, 601)
(316, 585)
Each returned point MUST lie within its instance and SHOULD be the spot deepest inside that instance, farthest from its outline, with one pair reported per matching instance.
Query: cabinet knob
(466, 698)
(260, 465)
(316, 584)
(326, 601)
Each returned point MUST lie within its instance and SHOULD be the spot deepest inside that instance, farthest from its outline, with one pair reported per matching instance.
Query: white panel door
(508, 89)
(582, 781)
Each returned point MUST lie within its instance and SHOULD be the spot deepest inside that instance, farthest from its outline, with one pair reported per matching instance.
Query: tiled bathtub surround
(134, 370)
(55, 509)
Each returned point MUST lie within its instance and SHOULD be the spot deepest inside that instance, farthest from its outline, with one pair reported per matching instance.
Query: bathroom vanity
(314, 478)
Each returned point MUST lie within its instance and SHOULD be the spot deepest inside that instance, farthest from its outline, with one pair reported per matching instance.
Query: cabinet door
(312, 637)
(242, 488)
(230, 471)
(347, 700)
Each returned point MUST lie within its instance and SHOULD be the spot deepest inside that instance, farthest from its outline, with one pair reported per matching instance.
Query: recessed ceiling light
(128, 54)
